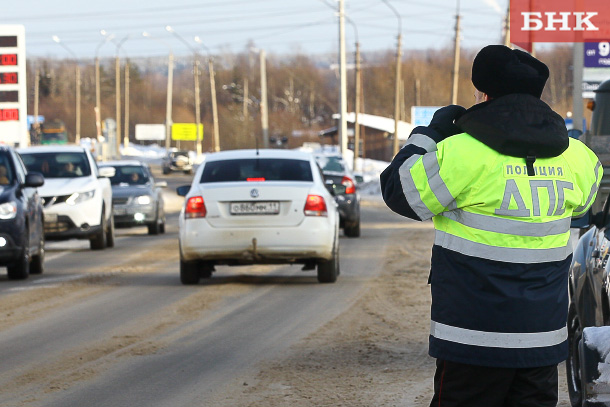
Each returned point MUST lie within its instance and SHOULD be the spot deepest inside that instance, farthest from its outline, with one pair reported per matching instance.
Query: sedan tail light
(195, 208)
(315, 205)
(350, 187)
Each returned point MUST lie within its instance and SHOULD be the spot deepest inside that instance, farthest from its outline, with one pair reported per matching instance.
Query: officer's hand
(443, 119)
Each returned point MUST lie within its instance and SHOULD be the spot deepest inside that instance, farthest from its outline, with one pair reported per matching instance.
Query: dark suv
(178, 160)
(335, 171)
(21, 217)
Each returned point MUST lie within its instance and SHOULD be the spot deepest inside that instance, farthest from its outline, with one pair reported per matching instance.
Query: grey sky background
(278, 26)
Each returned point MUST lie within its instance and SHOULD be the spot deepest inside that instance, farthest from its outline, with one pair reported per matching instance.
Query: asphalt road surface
(116, 327)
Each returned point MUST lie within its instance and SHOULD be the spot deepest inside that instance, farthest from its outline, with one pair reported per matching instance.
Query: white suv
(77, 196)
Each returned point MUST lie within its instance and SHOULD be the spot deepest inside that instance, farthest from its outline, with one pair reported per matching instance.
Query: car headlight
(8, 210)
(79, 197)
(143, 200)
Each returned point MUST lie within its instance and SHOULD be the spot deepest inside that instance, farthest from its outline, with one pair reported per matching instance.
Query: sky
(277, 26)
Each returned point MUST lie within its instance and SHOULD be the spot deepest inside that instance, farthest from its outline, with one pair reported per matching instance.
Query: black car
(335, 171)
(21, 217)
(136, 197)
(178, 160)
(589, 289)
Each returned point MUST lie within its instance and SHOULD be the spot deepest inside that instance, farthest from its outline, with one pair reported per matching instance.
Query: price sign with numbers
(597, 54)
(13, 103)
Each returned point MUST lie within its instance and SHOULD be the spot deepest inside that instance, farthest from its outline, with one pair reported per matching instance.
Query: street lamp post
(78, 84)
(170, 77)
(264, 103)
(196, 80)
(216, 143)
(117, 73)
(98, 108)
(397, 87)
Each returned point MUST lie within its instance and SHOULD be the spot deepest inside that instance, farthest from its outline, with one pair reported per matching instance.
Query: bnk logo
(559, 21)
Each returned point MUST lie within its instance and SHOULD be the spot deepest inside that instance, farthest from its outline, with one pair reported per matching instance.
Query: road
(116, 327)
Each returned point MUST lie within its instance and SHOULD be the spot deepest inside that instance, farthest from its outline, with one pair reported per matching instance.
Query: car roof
(117, 163)
(52, 149)
(261, 153)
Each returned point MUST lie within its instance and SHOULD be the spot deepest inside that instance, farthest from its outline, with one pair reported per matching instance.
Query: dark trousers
(460, 385)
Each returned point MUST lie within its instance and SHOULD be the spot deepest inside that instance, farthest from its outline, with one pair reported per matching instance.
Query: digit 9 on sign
(604, 49)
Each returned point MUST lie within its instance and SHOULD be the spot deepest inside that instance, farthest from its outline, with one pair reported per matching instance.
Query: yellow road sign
(186, 131)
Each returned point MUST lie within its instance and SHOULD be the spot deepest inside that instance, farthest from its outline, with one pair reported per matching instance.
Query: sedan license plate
(50, 218)
(255, 208)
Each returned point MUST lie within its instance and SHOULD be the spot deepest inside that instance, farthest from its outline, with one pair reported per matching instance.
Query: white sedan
(258, 207)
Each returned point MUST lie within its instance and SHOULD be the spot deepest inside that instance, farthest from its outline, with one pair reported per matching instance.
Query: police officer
(501, 182)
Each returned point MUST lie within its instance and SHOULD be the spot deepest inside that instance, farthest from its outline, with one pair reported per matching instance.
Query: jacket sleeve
(589, 177)
(394, 188)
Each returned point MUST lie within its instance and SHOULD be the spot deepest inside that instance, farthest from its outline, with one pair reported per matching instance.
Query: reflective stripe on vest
(422, 141)
(593, 189)
(506, 254)
(498, 339)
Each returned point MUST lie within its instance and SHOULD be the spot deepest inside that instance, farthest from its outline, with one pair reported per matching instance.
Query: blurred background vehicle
(76, 195)
(22, 243)
(258, 207)
(336, 172)
(136, 197)
(178, 160)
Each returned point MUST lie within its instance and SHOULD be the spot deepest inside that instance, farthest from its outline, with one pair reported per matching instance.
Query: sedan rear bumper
(313, 239)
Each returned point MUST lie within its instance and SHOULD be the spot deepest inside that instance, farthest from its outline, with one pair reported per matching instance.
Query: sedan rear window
(257, 169)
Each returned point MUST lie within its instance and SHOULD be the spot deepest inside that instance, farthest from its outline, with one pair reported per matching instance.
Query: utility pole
(36, 98)
(117, 101)
(197, 104)
(264, 107)
(396, 145)
(126, 137)
(417, 91)
(357, 110)
(343, 82)
(578, 49)
(245, 112)
(168, 104)
(214, 107)
(506, 35)
(456, 57)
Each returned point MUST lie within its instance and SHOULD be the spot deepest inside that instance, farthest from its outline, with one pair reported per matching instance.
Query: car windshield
(6, 171)
(58, 165)
(332, 164)
(129, 175)
(257, 169)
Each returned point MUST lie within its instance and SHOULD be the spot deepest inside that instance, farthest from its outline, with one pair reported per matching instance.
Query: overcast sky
(278, 26)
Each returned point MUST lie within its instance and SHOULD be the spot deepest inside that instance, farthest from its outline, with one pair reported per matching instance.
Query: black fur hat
(498, 70)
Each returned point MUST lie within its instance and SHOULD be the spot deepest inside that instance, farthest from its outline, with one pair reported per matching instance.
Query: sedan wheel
(155, 227)
(352, 229)
(110, 232)
(573, 361)
(98, 242)
(329, 270)
(20, 269)
(189, 272)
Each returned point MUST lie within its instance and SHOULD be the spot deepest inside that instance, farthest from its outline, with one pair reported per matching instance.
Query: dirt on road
(374, 354)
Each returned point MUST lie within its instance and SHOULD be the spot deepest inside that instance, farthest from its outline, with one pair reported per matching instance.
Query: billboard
(186, 131)
(13, 96)
(150, 132)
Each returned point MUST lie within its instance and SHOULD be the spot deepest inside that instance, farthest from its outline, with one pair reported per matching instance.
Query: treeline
(302, 91)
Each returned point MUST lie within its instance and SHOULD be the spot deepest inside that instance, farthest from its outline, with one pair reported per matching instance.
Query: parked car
(258, 207)
(136, 197)
(76, 195)
(22, 242)
(589, 290)
(336, 172)
(178, 160)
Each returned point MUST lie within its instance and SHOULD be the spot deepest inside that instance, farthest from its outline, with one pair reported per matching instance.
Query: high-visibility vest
(502, 246)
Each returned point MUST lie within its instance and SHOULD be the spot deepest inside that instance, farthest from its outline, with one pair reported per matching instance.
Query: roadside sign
(597, 54)
(150, 132)
(421, 115)
(13, 96)
(186, 131)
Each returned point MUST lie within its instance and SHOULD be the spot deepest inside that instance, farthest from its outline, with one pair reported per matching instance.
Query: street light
(213, 92)
(78, 83)
(170, 75)
(264, 108)
(397, 88)
(98, 114)
(196, 78)
(117, 75)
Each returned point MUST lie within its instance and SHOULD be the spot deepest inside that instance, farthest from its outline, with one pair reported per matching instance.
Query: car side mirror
(183, 190)
(106, 172)
(33, 180)
(161, 184)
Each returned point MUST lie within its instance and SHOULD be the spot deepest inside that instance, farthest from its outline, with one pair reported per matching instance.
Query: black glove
(442, 121)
